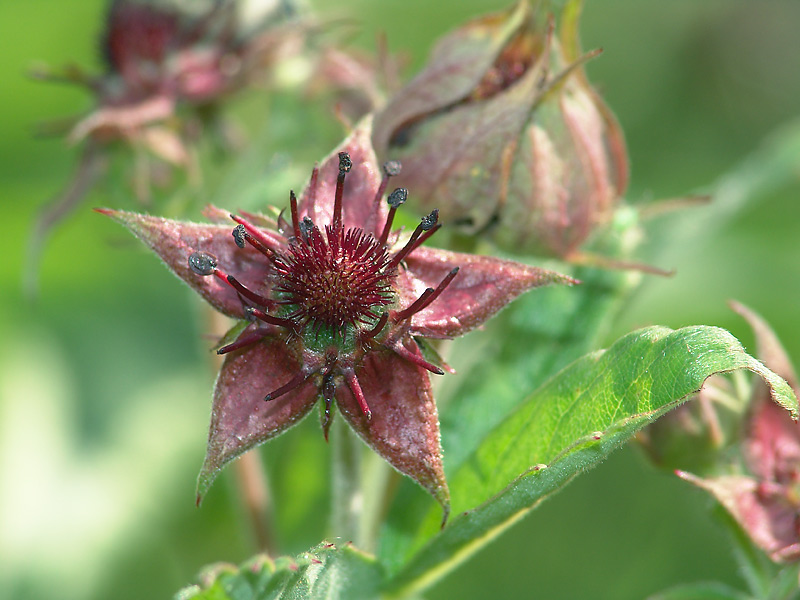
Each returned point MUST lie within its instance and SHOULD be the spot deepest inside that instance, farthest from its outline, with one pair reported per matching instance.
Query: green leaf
(539, 334)
(326, 571)
(567, 426)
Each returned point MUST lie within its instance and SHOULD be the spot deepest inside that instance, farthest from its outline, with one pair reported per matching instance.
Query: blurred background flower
(162, 95)
(94, 506)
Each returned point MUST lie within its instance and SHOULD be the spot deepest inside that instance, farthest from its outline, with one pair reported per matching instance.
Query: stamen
(428, 296)
(250, 295)
(425, 237)
(202, 263)
(221, 276)
(295, 219)
(345, 164)
(245, 340)
(415, 358)
(395, 199)
(205, 264)
(296, 381)
(262, 316)
(414, 307)
(352, 382)
(390, 169)
(328, 391)
(254, 236)
(426, 224)
(367, 335)
(241, 235)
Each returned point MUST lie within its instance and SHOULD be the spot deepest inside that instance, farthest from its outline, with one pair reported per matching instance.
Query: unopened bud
(504, 134)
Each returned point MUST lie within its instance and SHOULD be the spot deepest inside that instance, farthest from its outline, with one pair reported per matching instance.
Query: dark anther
(345, 164)
(426, 226)
(392, 168)
(306, 227)
(239, 235)
(430, 221)
(397, 197)
(202, 263)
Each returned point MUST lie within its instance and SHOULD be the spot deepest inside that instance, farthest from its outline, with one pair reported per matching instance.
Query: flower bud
(504, 134)
(757, 479)
(698, 435)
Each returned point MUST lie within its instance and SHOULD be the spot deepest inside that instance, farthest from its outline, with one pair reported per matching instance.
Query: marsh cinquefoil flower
(336, 304)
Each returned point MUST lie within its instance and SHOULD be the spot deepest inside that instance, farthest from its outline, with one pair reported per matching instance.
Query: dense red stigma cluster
(334, 291)
(335, 282)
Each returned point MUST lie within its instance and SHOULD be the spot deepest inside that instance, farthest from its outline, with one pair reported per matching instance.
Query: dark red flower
(335, 304)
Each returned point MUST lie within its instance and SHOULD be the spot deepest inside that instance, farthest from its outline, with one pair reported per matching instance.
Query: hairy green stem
(251, 481)
(347, 498)
(376, 477)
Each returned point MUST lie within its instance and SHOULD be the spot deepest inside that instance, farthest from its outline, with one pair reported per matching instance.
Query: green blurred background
(105, 380)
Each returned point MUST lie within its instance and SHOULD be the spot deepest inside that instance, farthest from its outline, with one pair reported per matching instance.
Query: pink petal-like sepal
(484, 285)
(770, 351)
(360, 207)
(761, 509)
(404, 426)
(240, 418)
(175, 241)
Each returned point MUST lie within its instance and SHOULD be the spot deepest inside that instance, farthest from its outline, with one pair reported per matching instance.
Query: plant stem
(252, 483)
(376, 476)
(346, 494)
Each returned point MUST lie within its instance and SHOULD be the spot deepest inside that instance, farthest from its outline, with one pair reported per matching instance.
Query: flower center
(334, 281)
